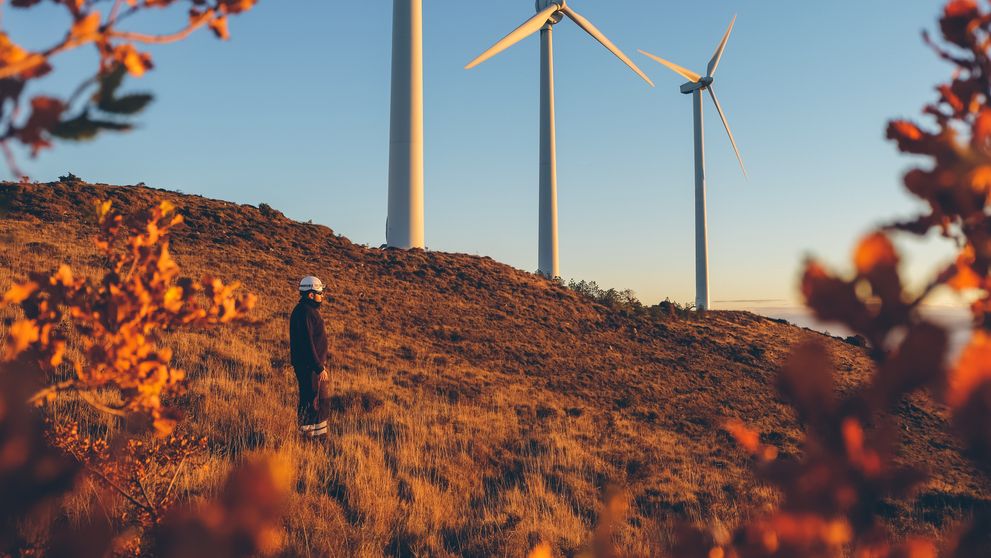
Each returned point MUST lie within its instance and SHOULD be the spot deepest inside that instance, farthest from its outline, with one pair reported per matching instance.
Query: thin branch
(99, 500)
(36, 59)
(113, 12)
(172, 482)
(46, 392)
(11, 160)
(144, 492)
(87, 396)
(79, 90)
(194, 24)
(116, 487)
(126, 14)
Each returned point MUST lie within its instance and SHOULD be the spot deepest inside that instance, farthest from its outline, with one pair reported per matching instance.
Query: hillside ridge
(506, 400)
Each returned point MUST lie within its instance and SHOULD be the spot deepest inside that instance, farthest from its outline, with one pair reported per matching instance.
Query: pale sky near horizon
(294, 112)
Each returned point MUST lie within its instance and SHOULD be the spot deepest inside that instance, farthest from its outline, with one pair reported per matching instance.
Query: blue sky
(294, 112)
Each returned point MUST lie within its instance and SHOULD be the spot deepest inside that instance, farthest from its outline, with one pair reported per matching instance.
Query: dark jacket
(307, 337)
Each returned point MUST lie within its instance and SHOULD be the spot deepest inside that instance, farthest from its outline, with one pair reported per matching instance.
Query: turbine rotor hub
(542, 5)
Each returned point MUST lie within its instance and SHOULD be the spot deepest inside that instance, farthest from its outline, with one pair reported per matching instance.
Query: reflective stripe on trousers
(314, 430)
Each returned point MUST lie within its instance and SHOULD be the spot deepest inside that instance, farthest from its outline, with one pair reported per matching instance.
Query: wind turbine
(404, 226)
(549, 13)
(696, 85)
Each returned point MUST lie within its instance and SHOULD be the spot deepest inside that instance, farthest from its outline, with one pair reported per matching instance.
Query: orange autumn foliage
(121, 316)
(830, 496)
(93, 106)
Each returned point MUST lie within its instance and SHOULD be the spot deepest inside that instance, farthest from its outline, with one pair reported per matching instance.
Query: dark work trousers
(309, 420)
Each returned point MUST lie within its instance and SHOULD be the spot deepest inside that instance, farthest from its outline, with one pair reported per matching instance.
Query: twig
(144, 492)
(36, 59)
(87, 396)
(172, 482)
(99, 500)
(11, 160)
(117, 487)
(163, 39)
(113, 12)
(80, 89)
(127, 13)
(44, 393)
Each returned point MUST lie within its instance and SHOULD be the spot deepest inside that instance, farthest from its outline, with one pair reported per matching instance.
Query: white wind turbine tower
(696, 85)
(549, 13)
(404, 226)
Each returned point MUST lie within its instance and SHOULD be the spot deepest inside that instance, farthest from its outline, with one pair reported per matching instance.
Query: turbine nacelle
(693, 86)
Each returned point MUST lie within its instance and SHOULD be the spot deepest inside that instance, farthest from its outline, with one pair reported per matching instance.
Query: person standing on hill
(308, 354)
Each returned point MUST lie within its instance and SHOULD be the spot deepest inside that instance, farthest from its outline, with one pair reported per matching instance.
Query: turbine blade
(719, 109)
(530, 27)
(719, 50)
(683, 72)
(598, 36)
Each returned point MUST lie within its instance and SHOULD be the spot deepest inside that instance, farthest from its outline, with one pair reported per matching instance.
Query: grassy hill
(479, 409)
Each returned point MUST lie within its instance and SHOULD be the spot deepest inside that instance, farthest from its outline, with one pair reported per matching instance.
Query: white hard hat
(310, 283)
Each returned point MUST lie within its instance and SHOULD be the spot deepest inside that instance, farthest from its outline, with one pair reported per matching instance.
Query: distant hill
(479, 408)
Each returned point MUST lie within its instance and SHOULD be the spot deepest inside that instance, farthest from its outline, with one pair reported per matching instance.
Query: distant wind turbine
(404, 226)
(696, 84)
(549, 13)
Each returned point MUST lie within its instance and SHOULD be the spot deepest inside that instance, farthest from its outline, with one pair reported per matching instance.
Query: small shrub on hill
(626, 301)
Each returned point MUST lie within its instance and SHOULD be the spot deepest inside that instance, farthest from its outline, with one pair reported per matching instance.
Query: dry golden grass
(479, 410)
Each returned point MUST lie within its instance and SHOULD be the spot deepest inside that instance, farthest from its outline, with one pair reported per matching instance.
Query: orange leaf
(542, 550)
(982, 128)
(236, 6)
(21, 335)
(173, 299)
(63, 276)
(964, 277)
(747, 438)
(58, 352)
(86, 29)
(905, 130)
(875, 251)
(45, 114)
(164, 426)
(806, 380)
(10, 53)
(137, 63)
(980, 179)
(915, 547)
(972, 370)
(958, 8)
(103, 208)
(219, 28)
(19, 293)
(166, 265)
(853, 436)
